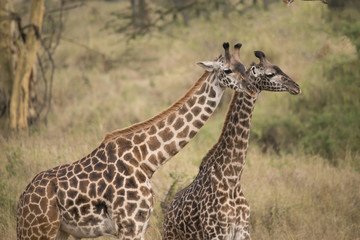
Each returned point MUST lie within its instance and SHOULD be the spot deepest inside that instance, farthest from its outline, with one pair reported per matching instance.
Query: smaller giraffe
(108, 192)
(213, 206)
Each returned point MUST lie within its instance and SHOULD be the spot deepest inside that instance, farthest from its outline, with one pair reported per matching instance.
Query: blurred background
(71, 71)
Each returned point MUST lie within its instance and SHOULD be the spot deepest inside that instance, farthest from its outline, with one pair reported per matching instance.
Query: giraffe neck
(152, 143)
(233, 142)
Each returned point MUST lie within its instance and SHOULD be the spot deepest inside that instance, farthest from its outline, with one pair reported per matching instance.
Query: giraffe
(288, 2)
(213, 206)
(108, 192)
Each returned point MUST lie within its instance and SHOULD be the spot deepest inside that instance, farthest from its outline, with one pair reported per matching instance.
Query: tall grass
(304, 186)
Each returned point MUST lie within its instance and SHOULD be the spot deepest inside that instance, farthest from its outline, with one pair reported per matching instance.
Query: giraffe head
(269, 77)
(230, 71)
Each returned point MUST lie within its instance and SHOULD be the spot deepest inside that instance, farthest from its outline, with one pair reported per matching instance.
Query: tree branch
(61, 9)
(83, 46)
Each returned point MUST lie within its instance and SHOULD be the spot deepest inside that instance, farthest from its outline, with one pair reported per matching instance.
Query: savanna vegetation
(302, 174)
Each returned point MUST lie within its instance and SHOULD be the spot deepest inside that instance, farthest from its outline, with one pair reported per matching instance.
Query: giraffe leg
(40, 227)
(38, 213)
(131, 230)
(134, 228)
(217, 230)
(144, 227)
(49, 223)
(170, 234)
(169, 229)
(242, 234)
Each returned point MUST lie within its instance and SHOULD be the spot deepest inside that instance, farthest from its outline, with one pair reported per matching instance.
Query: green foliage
(326, 119)
(144, 17)
(331, 124)
(337, 125)
(352, 30)
(346, 22)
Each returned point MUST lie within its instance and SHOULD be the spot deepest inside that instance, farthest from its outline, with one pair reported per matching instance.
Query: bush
(325, 120)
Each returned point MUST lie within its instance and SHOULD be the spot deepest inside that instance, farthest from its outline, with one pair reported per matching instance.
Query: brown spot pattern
(179, 123)
(153, 143)
(166, 134)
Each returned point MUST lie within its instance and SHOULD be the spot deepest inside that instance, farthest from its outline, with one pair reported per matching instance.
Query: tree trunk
(140, 14)
(6, 68)
(143, 14)
(19, 104)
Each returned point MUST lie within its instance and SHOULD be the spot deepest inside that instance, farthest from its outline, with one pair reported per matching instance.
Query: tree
(140, 15)
(25, 96)
(19, 103)
(6, 66)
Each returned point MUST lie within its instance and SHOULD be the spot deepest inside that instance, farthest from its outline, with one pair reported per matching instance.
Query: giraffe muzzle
(295, 89)
(292, 87)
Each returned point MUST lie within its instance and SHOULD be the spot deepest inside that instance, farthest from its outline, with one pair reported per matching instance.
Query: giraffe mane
(147, 123)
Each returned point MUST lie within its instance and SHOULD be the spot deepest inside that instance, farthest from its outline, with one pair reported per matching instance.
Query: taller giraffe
(108, 192)
(213, 205)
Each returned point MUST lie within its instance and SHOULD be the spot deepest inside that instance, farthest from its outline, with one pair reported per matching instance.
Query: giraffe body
(108, 192)
(213, 206)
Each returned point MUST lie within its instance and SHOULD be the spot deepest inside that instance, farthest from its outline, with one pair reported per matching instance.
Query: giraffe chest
(201, 208)
(229, 204)
(227, 215)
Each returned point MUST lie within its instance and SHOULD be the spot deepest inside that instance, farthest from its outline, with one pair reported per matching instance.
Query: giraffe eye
(227, 71)
(270, 75)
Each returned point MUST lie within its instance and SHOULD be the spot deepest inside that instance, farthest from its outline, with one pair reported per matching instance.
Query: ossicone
(226, 45)
(238, 46)
(259, 54)
(237, 51)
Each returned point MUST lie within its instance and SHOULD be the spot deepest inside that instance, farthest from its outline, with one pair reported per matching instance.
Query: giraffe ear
(207, 65)
(255, 71)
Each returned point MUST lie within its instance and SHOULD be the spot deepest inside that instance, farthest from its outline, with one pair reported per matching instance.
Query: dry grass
(292, 196)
